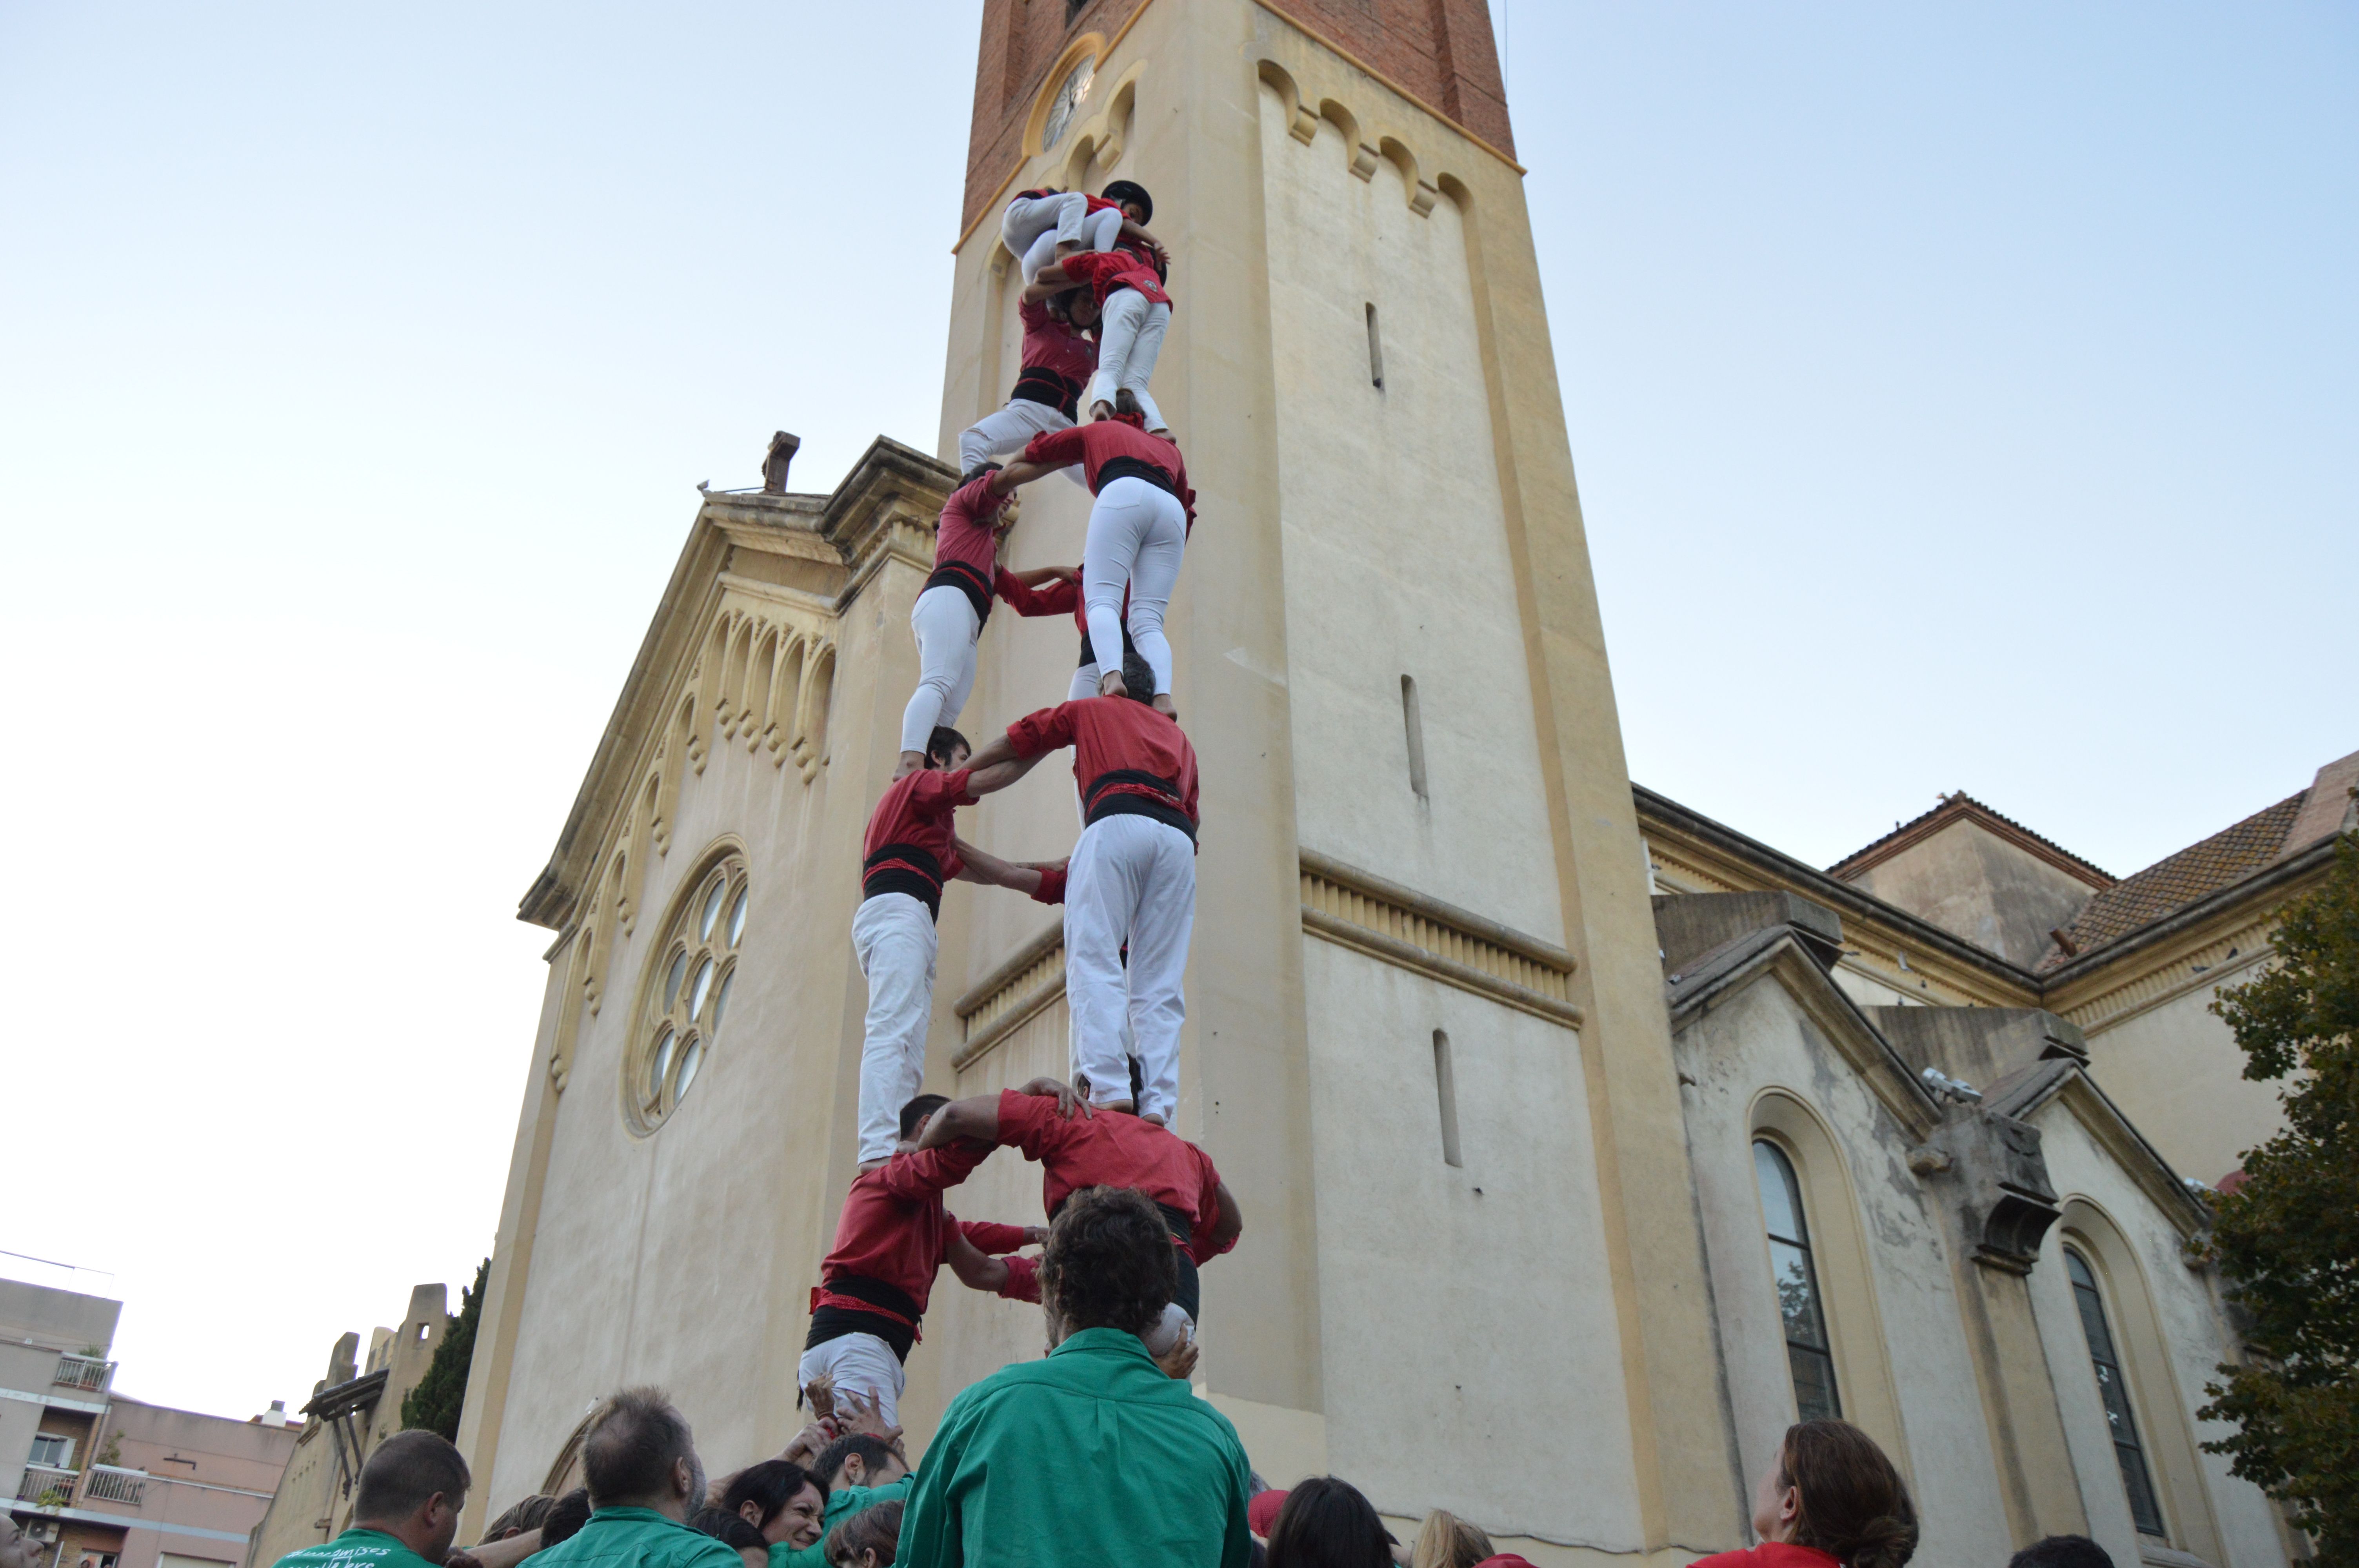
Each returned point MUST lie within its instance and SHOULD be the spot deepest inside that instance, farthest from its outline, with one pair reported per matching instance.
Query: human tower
(1094, 311)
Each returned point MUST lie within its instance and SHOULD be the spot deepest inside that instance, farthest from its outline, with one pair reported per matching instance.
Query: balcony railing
(114, 1484)
(82, 1372)
(48, 1486)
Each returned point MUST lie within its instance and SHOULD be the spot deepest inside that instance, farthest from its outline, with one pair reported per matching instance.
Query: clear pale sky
(1962, 396)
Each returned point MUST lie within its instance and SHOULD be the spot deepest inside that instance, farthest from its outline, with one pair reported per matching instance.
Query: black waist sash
(834, 1322)
(1039, 384)
(923, 884)
(968, 580)
(1138, 468)
(1102, 800)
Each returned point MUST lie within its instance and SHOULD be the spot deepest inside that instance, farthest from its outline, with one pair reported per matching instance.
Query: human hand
(1061, 1092)
(1036, 1236)
(806, 1445)
(864, 1412)
(1178, 1362)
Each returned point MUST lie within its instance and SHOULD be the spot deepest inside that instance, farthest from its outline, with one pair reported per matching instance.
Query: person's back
(1092, 1456)
(413, 1487)
(644, 1482)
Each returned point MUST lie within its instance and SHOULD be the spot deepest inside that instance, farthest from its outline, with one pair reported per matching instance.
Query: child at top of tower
(948, 618)
(1043, 223)
(893, 1236)
(911, 849)
(1138, 529)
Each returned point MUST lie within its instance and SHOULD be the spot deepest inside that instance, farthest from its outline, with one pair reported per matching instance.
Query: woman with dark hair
(868, 1539)
(781, 1500)
(1830, 1497)
(1328, 1523)
(733, 1530)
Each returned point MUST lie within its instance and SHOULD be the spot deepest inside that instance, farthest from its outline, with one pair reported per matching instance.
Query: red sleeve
(1208, 1202)
(1029, 1123)
(1052, 887)
(1023, 1282)
(938, 794)
(1056, 449)
(990, 1237)
(928, 1171)
(1043, 731)
(1057, 598)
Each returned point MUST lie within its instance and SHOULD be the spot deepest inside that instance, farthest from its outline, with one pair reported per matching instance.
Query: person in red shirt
(892, 1238)
(1057, 360)
(948, 617)
(911, 849)
(1134, 314)
(1138, 531)
(1078, 1145)
(1131, 881)
(1040, 225)
(1831, 1499)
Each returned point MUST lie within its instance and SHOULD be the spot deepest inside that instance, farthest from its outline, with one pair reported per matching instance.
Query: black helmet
(1123, 190)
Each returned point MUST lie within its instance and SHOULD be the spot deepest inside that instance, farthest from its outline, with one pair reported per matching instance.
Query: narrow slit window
(1414, 724)
(2114, 1388)
(1445, 1088)
(1809, 1356)
(1376, 351)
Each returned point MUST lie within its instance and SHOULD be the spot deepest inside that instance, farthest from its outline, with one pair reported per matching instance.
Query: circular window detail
(1072, 93)
(685, 993)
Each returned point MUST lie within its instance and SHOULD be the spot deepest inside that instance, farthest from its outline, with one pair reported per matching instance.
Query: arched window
(2146, 1511)
(686, 995)
(1807, 1352)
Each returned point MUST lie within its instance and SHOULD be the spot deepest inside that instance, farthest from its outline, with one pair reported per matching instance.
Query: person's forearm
(997, 750)
(977, 1118)
(1040, 575)
(1016, 474)
(999, 775)
(516, 1547)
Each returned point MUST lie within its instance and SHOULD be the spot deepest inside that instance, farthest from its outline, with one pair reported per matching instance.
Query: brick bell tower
(1426, 1038)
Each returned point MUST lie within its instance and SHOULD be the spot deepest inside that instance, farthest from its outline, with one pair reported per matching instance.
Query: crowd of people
(1099, 1452)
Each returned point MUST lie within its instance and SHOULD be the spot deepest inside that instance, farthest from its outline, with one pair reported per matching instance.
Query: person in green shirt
(1093, 1455)
(856, 1472)
(639, 1458)
(412, 1488)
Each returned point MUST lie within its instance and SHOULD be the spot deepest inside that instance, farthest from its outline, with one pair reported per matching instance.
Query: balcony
(114, 1484)
(47, 1486)
(82, 1372)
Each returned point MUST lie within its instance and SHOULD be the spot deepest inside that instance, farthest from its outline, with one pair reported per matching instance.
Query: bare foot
(1101, 409)
(1109, 684)
(1156, 1116)
(1164, 706)
(909, 764)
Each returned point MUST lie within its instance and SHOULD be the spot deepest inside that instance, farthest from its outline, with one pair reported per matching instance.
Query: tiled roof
(1962, 805)
(2226, 858)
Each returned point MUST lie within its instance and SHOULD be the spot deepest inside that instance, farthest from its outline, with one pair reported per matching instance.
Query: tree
(435, 1404)
(2286, 1241)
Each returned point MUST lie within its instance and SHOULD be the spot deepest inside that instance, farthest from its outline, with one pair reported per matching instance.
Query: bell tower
(1426, 1042)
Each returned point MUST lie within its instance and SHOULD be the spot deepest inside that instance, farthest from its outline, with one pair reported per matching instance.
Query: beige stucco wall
(2176, 1071)
(2167, 1319)
(1996, 894)
(1901, 1353)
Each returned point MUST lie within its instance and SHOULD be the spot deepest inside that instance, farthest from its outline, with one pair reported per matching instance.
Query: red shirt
(962, 535)
(895, 1230)
(1101, 441)
(1055, 596)
(912, 826)
(1113, 1149)
(1109, 272)
(1053, 345)
(1769, 1555)
(1111, 732)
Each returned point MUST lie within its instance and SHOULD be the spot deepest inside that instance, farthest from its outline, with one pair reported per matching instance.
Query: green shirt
(637, 1537)
(358, 1548)
(1089, 1457)
(841, 1504)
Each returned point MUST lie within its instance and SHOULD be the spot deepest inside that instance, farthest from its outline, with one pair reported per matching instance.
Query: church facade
(1575, 1138)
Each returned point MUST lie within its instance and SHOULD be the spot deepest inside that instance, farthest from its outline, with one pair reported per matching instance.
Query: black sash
(1138, 468)
(1040, 384)
(1100, 800)
(968, 580)
(924, 882)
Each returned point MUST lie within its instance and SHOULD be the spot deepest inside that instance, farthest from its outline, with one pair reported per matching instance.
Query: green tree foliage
(2286, 1242)
(440, 1396)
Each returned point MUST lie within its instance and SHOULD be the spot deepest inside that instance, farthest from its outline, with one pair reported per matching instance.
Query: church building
(1584, 1143)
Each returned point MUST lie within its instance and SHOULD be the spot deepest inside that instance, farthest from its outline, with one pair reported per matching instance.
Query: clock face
(1070, 95)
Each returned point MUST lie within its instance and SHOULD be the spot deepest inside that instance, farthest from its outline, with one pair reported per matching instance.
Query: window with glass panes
(1795, 1272)
(2146, 1510)
(686, 996)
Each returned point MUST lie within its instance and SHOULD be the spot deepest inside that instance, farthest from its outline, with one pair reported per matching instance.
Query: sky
(1962, 396)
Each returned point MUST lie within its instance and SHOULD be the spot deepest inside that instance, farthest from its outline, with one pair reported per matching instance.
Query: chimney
(275, 1416)
(783, 448)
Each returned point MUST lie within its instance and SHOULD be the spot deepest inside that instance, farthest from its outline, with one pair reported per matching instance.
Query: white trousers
(894, 937)
(947, 628)
(1130, 334)
(1137, 531)
(862, 1364)
(1007, 429)
(1131, 879)
(1034, 226)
